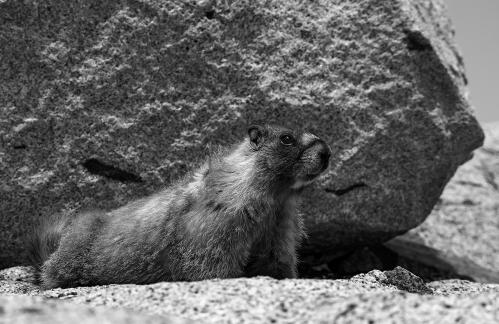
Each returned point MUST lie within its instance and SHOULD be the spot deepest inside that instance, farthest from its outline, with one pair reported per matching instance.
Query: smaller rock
(398, 277)
(406, 280)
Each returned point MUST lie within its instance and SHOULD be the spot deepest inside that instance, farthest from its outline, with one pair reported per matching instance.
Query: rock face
(103, 102)
(395, 296)
(459, 238)
(463, 228)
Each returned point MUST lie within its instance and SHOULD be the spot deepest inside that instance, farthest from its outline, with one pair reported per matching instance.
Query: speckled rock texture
(464, 226)
(105, 101)
(395, 296)
(24, 309)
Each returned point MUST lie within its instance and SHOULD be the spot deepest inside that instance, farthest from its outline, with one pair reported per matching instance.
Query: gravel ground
(376, 297)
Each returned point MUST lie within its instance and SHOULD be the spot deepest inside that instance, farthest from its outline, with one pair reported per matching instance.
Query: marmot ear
(255, 134)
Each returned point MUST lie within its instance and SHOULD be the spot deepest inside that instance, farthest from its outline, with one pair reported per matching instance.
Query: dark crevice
(469, 183)
(427, 264)
(341, 192)
(210, 14)
(416, 41)
(19, 146)
(97, 167)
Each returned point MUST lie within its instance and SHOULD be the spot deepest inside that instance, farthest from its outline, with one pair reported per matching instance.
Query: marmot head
(286, 157)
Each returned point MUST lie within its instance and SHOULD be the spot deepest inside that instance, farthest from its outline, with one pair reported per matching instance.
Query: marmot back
(234, 216)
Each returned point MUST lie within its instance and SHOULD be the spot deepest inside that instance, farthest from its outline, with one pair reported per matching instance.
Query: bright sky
(477, 35)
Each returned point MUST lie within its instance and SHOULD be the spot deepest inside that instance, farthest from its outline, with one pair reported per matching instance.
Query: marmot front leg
(218, 254)
(280, 260)
(278, 263)
(282, 264)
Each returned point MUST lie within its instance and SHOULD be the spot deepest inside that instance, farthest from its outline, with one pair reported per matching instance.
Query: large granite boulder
(105, 101)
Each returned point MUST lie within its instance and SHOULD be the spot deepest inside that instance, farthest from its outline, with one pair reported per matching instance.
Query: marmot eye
(287, 140)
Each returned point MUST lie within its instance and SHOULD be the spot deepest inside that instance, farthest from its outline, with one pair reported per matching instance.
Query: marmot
(234, 216)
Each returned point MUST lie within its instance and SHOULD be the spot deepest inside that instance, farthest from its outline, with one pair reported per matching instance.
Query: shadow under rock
(431, 267)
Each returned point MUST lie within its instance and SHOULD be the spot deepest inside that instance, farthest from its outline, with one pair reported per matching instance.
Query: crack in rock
(94, 166)
(341, 192)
